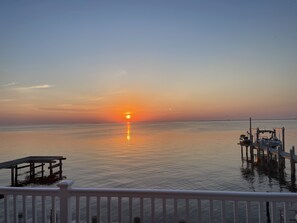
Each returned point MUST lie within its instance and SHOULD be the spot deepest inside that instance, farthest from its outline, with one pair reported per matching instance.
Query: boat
(269, 142)
(268, 138)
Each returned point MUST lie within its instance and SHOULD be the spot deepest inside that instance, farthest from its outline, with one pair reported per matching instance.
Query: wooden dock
(36, 172)
(274, 156)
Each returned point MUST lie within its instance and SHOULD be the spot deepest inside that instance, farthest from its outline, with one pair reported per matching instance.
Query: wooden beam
(12, 176)
(50, 168)
(22, 167)
(40, 165)
(60, 169)
(54, 166)
(42, 170)
(16, 176)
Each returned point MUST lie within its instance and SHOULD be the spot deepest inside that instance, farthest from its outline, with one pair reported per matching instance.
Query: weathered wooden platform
(32, 163)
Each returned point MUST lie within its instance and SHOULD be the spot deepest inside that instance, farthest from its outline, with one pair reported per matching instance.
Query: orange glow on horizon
(130, 106)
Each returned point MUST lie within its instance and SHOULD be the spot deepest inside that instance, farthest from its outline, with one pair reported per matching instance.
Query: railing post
(65, 186)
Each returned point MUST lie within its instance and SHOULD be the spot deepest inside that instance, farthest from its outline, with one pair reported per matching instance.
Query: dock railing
(65, 204)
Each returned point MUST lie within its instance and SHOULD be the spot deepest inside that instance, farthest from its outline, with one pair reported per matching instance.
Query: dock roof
(31, 159)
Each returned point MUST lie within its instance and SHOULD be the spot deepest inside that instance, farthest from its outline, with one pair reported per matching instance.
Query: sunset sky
(97, 61)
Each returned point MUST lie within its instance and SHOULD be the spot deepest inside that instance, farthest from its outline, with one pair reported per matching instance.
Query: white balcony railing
(65, 204)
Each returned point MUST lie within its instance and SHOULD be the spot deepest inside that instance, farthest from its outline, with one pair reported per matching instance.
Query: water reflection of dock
(251, 172)
(36, 171)
(267, 153)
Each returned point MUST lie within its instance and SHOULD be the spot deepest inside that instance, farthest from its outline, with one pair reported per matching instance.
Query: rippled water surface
(177, 155)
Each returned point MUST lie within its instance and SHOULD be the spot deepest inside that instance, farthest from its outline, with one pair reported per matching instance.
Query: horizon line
(152, 121)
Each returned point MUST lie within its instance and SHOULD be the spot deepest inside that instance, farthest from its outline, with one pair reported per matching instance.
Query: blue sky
(175, 60)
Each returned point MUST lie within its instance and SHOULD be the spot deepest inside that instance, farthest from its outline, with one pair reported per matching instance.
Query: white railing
(65, 204)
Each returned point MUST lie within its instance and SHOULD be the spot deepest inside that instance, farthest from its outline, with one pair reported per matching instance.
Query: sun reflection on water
(128, 137)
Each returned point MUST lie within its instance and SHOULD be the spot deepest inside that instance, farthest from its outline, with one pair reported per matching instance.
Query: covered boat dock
(36, 169)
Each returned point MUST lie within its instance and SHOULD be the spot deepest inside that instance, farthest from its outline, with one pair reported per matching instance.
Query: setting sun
(128, 115)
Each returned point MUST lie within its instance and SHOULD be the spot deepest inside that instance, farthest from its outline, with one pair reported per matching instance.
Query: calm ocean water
(177, 155)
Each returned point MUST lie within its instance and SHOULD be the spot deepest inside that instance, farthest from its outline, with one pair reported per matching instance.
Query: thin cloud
(123, 73)
(9, 84)
(42, 86)
(6, 100)
(96, 99)
(120, 73)
(120, 92)
(67, 109)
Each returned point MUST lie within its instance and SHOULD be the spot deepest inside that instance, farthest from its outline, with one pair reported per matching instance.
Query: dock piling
(12, 176)
(279, 158)
(60, 168)
(252, 153)
(16, 176)
(283, 138)
(292, 161)
(241, 147)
